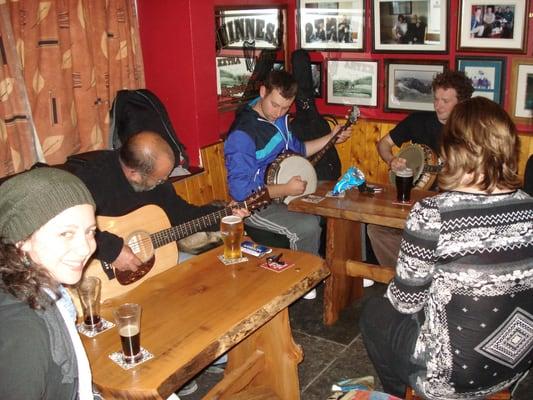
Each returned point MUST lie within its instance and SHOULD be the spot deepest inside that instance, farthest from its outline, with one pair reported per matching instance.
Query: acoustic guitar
(147, 231)
(289, 164)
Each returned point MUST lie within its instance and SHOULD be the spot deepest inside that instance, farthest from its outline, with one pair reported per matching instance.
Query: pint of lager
(231, 229)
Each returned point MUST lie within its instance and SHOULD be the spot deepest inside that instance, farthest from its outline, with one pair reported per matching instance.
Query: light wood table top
(193, 313)
(372, 208)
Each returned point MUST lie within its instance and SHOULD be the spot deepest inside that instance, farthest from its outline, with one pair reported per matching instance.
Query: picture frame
(409, 86)
(487, 74)
(424, 29)
(521, 93)
(331, 25)
(486, 25)
(232, 77)
(352, 82)
(258, 28)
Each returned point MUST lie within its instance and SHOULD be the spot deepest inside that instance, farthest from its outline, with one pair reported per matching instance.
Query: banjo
(423, 161)
(289, 164)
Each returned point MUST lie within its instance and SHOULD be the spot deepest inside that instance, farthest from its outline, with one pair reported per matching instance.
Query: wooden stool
(503, 395)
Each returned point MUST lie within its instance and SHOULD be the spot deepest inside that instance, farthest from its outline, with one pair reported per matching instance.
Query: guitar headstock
(258, 199)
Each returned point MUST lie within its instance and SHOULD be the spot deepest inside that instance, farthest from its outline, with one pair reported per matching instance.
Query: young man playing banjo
(425, 128)
(260, 133)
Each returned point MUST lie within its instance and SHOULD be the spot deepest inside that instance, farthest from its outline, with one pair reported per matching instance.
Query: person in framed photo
(477, 27)
(416, 31)
(399, 30)
(423, 127)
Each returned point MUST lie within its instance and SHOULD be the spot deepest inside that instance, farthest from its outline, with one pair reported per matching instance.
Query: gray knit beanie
(31, 199)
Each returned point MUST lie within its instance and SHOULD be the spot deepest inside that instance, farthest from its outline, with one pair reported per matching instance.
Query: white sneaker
(368, 282)
(310, 295)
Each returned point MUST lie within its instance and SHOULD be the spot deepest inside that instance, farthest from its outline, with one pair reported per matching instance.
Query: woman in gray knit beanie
(47, 227)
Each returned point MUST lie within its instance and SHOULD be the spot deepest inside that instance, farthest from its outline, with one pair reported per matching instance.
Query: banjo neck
(315, 158)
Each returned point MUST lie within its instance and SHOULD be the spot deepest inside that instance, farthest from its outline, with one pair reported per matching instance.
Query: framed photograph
(409, 85)
(521, 93)
(331, 25)
(232, 77)
(316, 72)
(410, 25)
(486, 25)
(255, 28)
(487, 76)
(352, 82)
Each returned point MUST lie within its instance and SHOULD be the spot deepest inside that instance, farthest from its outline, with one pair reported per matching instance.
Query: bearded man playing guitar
(260, 133)
(425, 128)
(127, 179)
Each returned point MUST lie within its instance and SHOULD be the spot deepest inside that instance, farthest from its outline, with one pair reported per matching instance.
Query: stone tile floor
(330, 353)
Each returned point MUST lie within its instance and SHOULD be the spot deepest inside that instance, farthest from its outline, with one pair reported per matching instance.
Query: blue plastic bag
(352, 178)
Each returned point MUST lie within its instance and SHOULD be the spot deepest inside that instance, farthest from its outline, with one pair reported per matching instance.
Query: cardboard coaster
(92, 333)
(276, 267)
(117, 358)
(311, 198)
(233, 261)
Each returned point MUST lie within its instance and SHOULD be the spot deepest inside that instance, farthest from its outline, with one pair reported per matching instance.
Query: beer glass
(404, 183)
(231, 229)
(89, 292)
(128, 319)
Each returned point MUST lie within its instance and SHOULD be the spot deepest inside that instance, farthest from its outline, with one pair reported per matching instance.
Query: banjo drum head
(287, 169)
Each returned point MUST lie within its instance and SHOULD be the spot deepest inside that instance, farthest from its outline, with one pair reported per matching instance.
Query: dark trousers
(389, 338)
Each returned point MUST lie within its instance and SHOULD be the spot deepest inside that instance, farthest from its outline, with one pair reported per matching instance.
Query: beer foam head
(232, 219)
(405, 173)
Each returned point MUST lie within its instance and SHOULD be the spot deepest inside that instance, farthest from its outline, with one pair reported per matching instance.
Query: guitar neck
(176, 233)
(318, 155)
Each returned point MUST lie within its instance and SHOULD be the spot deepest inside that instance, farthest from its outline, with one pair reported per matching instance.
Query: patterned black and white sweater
(467, 261)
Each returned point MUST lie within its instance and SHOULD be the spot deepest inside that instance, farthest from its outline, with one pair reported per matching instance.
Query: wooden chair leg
(378, 273)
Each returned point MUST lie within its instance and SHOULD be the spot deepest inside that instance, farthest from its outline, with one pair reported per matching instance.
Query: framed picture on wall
(487, 76)
(521, 93)
(255, 28)
(410, 25)
(409, 85)
(352, 82)
(331, 25)
(232, 76)
(486, 25)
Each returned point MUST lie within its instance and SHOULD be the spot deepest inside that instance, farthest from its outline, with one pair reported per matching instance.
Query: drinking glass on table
(232, 229)
(89, 291)
(128, 319)
(404, 183)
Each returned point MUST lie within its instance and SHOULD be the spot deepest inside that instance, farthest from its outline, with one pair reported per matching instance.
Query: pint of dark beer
(232, 229)
(89, 293)
(404, 183)
(128, 319)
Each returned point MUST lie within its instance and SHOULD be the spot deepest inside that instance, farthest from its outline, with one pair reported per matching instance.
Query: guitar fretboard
(175, 233)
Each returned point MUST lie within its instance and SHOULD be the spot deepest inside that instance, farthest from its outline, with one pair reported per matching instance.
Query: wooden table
(344, 237)
(198, 310)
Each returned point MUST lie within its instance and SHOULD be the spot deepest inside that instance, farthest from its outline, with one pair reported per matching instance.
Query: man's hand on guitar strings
(127, 260)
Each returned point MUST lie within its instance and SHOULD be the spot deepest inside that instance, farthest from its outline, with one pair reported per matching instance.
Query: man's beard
(140, 187)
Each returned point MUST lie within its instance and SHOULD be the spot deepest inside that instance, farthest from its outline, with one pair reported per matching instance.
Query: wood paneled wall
(359, 151)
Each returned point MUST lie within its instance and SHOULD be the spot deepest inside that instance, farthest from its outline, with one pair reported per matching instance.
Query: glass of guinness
(404, 183)
(128, 319)
(89, 292)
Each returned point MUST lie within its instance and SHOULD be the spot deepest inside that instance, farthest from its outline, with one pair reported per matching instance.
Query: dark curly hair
(454, 80)
(24, 281)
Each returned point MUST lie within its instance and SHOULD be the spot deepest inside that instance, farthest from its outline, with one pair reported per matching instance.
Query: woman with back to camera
(454, 322)
(47, 227)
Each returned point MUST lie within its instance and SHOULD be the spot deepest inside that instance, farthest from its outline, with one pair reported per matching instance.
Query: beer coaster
(402, 203)
(117, 358)
(311, 198)
(276, 267)
(93, 332)
(335, 195)
(232, 261)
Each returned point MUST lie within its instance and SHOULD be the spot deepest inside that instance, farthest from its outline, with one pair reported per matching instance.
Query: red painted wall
(178, 42)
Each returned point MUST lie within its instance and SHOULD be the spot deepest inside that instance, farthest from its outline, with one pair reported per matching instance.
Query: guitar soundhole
(141, 244)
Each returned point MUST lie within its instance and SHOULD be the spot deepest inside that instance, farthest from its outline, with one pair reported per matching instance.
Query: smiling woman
(47, 228)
